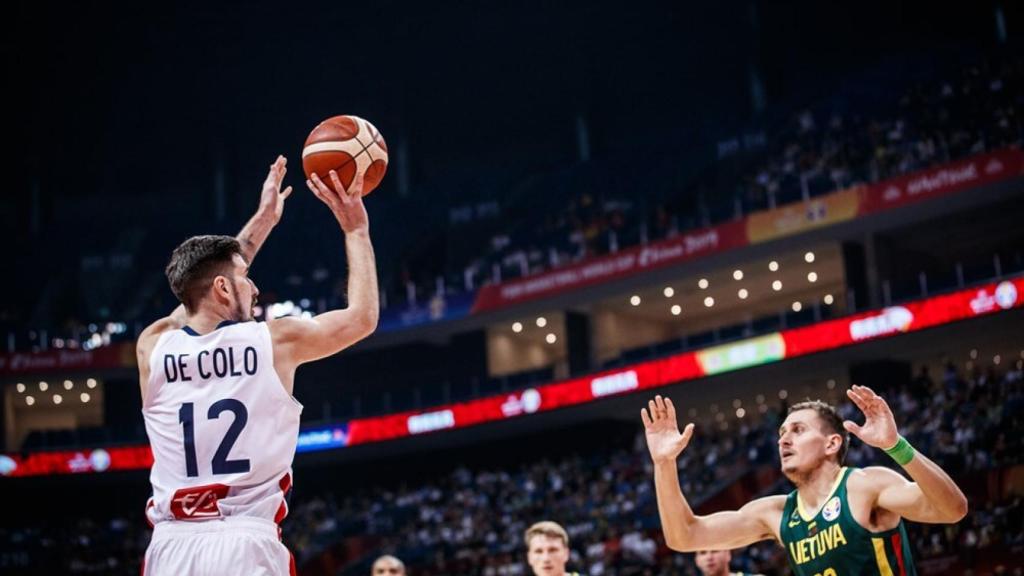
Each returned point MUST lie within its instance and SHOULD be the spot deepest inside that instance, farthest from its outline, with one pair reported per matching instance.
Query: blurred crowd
(576, 213)
(470, 520)
(819, 150)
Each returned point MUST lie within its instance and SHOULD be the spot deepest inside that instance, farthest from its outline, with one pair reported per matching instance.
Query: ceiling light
(743, 293)
(703, 283)
(677, 309)
(773, 266)
(777, 285)
(668, 292)
(797, 306)
(709, 301)
(829, 299)
(551, 338)
(737, 274)
(809, 257)
(542, 322)
(634, 300)
(812, 276)
(517, 327)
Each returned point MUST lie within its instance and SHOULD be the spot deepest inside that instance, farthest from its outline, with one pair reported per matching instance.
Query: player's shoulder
(768, 509)
(768, 503)
(288, 327)
(873, 478)
(147, 338)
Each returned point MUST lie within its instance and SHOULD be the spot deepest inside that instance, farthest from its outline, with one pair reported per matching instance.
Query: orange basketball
(346, 144)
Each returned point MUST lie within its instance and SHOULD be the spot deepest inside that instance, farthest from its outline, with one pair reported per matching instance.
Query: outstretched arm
(255, 231)
(299, 340)
(933, 496)
(684, 530)
(271, 207)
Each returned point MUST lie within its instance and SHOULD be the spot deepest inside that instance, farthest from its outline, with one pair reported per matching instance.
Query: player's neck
(818, 484)
(205, 320)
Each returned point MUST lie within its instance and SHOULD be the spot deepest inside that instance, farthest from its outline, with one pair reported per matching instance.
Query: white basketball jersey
(221, 425)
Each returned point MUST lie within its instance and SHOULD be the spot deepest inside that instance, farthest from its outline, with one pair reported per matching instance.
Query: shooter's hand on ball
(662, 430)
(347, 206)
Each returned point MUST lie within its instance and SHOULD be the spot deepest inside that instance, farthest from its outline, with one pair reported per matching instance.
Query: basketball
(347, 145)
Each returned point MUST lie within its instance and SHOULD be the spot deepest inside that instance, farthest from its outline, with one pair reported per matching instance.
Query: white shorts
(221, 547)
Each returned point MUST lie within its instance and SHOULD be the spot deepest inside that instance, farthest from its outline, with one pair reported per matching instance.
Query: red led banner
(76, 461)
(888, 322)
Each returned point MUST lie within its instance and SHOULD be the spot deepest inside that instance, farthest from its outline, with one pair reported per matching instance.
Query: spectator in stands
(388, 565)
(715, 563)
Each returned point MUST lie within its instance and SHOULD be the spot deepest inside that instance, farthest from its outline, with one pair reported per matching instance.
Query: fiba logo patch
(831, 510)
(1006, 294)
(7, 465)
(100, 460)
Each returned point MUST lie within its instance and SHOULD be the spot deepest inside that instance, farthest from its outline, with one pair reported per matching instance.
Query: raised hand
(662, 430)
(347, 205)
(879, 429)
(272, 198)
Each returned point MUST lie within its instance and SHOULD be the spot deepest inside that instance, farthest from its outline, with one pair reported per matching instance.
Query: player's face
(803, 442)
(244, 289)
(547, 556)
(713, 562)
(387, 567)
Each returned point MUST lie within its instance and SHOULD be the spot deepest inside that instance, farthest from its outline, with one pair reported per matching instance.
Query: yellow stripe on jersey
(880, 557)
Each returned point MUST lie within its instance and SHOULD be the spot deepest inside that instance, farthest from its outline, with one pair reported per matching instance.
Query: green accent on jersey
(832, 543)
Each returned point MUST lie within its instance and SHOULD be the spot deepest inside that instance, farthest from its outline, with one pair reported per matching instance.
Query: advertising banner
(894, 320)
(688, 246)
(120, 355)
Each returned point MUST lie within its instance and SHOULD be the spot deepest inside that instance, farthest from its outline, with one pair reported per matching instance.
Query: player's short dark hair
(830, 417)
(196, 262)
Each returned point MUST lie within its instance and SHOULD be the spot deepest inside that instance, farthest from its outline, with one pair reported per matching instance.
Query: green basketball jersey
(832, 543)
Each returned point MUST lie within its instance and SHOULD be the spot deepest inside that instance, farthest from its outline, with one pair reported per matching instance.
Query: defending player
(217, 392)
(839, 520)
(547, 549)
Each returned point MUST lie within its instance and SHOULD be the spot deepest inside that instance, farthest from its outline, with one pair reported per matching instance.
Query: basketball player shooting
(217, 391)
(839, 521)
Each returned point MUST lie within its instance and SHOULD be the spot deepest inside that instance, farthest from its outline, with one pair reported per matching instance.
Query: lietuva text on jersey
(831, 542)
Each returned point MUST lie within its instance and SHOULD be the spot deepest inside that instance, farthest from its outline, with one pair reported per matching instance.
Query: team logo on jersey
(198, 502)
(831, 510)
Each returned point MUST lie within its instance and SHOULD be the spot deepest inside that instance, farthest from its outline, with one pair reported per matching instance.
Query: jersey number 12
(221, 464)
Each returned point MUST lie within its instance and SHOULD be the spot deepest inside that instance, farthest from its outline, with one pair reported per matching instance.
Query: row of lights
(997, 359)
(797, 306)
(57, 398)
(743, 293)
(541, 322)
(762, 406)
(44, 386)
